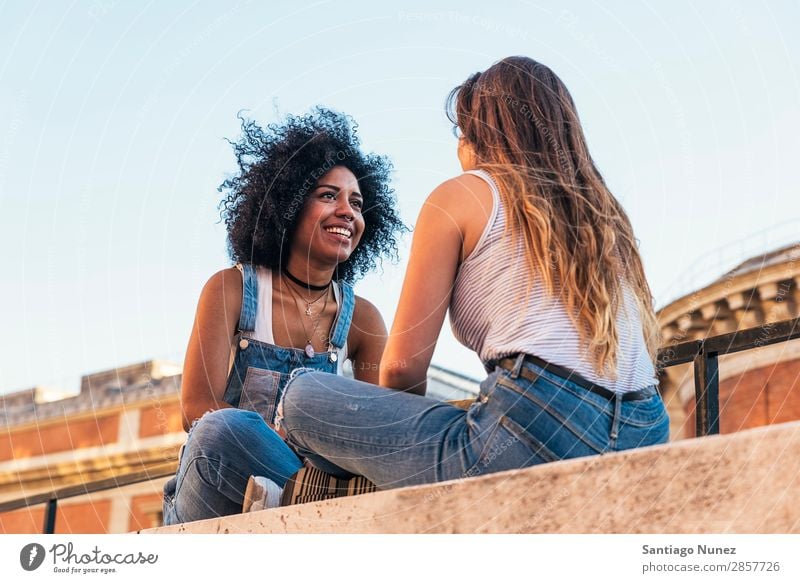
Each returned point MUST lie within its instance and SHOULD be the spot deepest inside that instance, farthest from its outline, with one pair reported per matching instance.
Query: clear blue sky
(112, 119)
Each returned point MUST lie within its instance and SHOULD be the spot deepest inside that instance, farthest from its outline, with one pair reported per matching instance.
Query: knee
(299, 393)
(219, 430)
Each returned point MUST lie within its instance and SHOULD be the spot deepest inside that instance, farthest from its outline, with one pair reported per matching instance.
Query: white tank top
(491, 314)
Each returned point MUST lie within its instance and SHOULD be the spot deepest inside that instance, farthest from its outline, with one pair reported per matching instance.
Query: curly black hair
(278, 167)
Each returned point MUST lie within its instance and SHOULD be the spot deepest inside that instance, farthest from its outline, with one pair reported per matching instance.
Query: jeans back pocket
(643, 414)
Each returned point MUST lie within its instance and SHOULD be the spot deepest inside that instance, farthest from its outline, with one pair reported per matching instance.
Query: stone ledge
(746, 482)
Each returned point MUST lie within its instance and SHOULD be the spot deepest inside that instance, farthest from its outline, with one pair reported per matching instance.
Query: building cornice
(726, 287)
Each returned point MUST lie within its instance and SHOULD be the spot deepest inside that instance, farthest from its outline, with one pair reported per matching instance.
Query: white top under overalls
(263, 329)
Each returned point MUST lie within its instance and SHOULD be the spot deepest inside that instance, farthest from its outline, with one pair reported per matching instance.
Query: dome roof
(785, 254)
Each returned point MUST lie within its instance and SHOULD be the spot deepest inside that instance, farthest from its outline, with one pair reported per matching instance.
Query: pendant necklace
(309, 287)
(309, 304)
(309, 349)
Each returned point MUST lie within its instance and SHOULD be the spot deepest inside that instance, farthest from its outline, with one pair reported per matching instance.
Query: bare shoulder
(366, 341)
(224, 288)
(464, 202)
(367, 318)
(367, 327)
(466, 192)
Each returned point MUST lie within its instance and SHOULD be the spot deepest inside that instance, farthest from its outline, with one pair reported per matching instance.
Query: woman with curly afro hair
(307, 214)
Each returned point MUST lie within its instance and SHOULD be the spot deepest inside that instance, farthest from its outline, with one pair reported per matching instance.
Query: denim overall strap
(247, 318)
(342, 324)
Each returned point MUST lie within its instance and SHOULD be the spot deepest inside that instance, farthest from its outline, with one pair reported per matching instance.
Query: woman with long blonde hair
(537, 263)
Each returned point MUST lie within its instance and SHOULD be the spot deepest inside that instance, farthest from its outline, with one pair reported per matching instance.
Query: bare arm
(205, 369)
(369, 333)
(432, 267)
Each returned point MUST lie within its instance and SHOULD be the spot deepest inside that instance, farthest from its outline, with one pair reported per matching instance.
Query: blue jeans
(224, 448)
(398, 439)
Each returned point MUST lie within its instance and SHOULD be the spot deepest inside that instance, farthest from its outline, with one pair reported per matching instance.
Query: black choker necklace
(304, 284)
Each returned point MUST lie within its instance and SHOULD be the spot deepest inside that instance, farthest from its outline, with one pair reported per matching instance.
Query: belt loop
(615, 421)
(518, 365)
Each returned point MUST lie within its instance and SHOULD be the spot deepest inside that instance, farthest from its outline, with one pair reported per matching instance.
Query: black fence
(51, 498)
(703, 353)
(705, 356)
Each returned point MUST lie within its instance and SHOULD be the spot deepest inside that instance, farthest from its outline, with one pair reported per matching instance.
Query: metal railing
(705, 356)
(703, 353)
(51, 498)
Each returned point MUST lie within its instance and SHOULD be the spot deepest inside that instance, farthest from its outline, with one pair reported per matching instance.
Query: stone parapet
(747, 482)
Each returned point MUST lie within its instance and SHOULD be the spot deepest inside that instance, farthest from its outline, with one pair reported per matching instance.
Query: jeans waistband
(510, 363)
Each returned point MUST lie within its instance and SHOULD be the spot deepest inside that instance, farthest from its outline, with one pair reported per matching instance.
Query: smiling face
(331, 223)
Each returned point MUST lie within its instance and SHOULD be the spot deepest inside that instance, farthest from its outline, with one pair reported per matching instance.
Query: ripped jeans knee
(279, 410)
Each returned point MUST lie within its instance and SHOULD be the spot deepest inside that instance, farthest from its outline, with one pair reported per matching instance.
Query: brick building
(123, 421)
(757, 387)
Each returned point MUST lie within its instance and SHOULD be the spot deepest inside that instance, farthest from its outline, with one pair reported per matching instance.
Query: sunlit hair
(522, 124)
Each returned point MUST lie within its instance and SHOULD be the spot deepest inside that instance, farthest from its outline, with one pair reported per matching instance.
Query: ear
(466, 154)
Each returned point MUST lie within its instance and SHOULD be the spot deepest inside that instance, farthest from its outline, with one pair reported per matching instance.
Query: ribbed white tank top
(493, 312)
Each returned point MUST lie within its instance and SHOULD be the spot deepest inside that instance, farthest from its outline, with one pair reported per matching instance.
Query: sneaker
(261, 494)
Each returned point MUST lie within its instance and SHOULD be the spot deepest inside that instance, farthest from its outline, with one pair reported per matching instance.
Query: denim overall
(227, 446)
(260, 371)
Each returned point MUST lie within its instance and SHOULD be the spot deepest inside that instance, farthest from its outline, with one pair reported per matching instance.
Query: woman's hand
(205, 368)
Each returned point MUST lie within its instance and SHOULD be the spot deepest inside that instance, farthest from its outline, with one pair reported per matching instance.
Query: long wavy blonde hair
(521, 123)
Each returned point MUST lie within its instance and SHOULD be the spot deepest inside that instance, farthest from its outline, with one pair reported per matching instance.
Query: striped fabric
(493, 313)
(313, 485)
